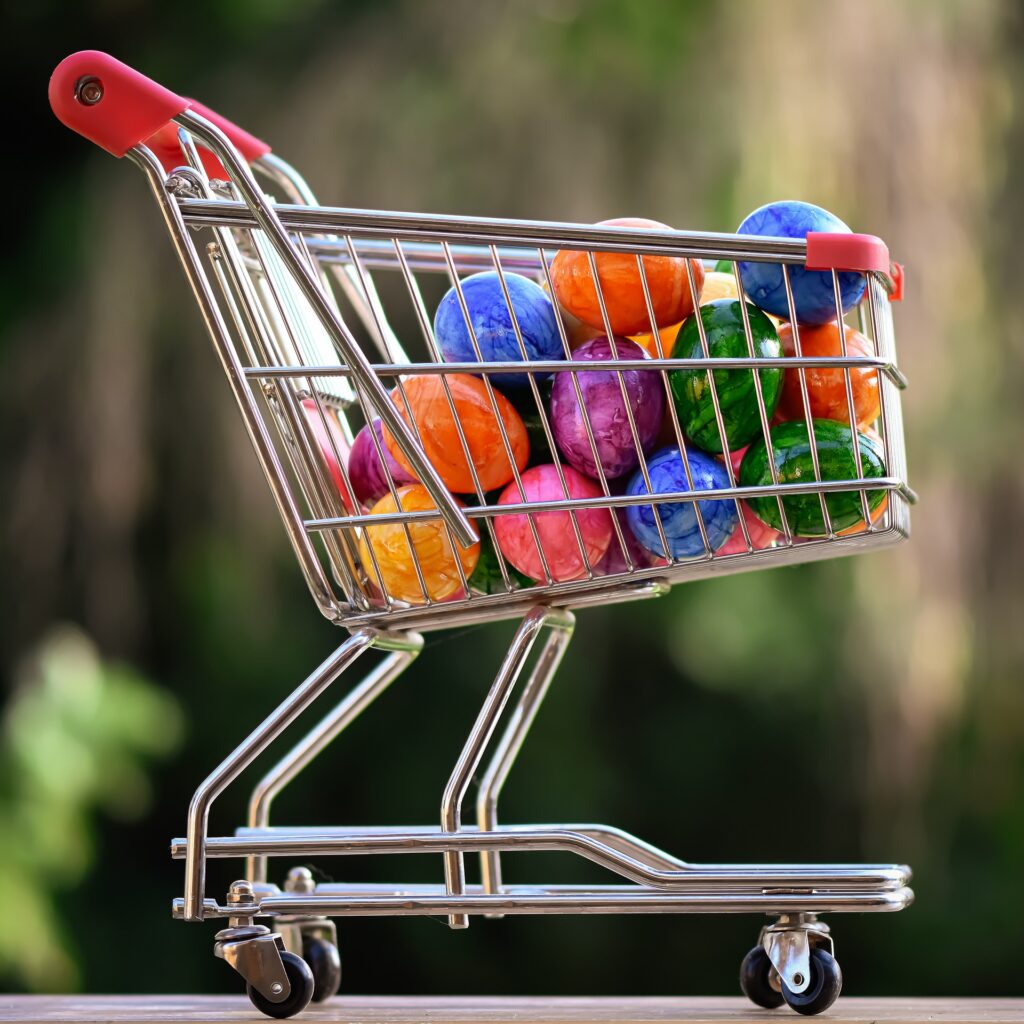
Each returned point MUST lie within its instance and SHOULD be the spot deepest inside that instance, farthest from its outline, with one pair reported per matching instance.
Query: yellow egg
(718, 285)
(430, 542)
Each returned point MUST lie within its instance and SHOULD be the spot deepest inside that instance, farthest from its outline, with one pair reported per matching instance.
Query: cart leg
(319, 738)
(480, 735)
(254, 744)
(508, 747)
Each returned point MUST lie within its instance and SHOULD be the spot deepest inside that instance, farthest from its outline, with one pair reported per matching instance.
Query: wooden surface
(412, 1010)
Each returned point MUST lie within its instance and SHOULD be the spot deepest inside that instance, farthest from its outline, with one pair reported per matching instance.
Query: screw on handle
(110, 103)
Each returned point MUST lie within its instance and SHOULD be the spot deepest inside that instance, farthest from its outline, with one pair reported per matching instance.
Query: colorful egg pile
(604, 430)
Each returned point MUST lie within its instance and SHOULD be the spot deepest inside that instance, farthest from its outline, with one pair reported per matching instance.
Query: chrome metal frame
(273, 284)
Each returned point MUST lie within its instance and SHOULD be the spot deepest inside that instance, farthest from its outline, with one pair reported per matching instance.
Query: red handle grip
(110, 103)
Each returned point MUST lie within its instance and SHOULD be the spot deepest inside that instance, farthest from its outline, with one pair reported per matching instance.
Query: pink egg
(554, 529)
(762, 535)
(332, 444)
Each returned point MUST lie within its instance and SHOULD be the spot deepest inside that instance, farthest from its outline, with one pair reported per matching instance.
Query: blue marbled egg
(492, 324)
(813, 295)
(678, 518)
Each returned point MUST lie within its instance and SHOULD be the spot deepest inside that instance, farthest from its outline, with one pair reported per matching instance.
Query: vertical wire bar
(428, 336)
(851, 411)
(488, 387)
(805, 398)
(232, 260)
(716, 404)
(455, 547)
(549, 436)
(888, 403)
(226, 271)
(587, 425)
(599, 292)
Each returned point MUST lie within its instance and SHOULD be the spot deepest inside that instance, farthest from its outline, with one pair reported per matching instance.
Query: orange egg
(875, 516)
(482, 430)
(826, 389)
(667, 336)
(623, 292)
(431, 544)
(576, 331)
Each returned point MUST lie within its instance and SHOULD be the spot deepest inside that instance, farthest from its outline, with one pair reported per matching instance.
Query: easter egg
(430, 540)
(493, 325)
(605, 409)
(366, 470)
(875, 516)
(482, 430)
(555, 530)
(761, 535)
(736, 389)
(719, 286)
(487, 577)
(614, 560)
(679, 518)
(576, 331)
(619, 276)
(826, 389)
(332, 445)
(791, 449)
(660, 346)
(813, 295)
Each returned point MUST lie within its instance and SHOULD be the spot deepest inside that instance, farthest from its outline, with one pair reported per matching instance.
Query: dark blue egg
(678, 518)
(813, 294)
(493, 327)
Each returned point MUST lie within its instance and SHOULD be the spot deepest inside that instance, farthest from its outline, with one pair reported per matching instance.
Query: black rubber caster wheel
(300, 977)
(823, 991)
(325, 962)
(754, 973)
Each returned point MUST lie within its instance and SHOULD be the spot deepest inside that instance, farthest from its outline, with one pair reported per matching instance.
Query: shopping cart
(288, 291)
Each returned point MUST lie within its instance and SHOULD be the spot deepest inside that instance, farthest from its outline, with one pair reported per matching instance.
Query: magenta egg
(604, 408)
(555, 530)
(762, 535)
(366, 471)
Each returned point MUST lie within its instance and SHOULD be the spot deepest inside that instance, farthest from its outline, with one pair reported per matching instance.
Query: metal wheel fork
(561, 623)
(788, 944)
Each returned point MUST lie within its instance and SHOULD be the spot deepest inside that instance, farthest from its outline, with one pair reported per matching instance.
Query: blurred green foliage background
(867, 708)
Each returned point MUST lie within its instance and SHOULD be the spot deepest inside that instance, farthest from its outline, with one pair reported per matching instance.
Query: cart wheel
(325, 963)
(300, 977)
(823, 991)
(754, 973)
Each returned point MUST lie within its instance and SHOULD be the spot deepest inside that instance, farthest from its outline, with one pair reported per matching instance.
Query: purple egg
(366, 471)
(602, 399)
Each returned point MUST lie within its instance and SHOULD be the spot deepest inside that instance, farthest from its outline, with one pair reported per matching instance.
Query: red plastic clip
(896, 273)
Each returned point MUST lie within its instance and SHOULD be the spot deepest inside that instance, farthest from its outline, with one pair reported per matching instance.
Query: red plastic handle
(164, 143)
(110, 103)
(828, 250)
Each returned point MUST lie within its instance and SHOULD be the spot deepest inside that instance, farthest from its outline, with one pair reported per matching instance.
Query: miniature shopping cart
(289, 293)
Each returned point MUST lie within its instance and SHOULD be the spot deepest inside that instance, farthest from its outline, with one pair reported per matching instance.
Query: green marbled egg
(737, 394)
(791, 446)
